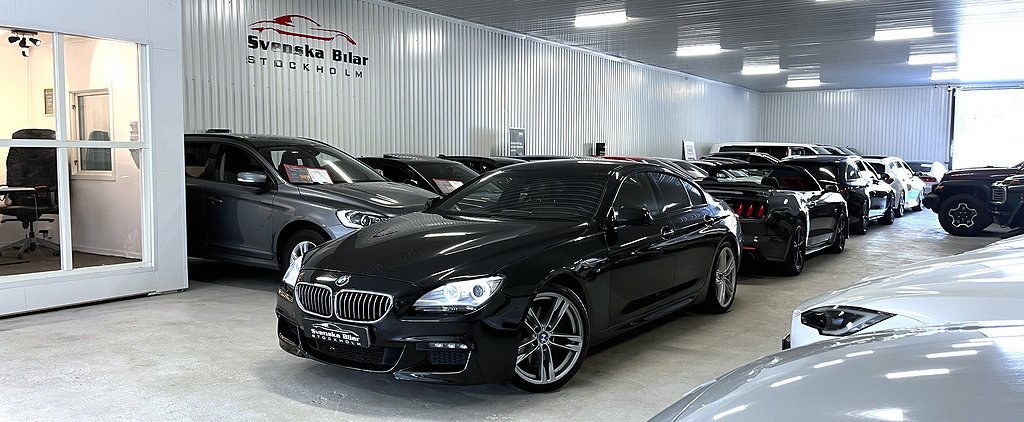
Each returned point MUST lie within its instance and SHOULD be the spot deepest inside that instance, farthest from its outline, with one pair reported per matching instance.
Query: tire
(797, 253)
(901, 209)
(920, 202)
(299, 242)
(721, 281)
(842, 233)
(890, 211)
(964, 215)
(555, 339)
(862, 226)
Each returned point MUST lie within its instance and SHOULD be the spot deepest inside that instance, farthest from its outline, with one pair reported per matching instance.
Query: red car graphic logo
(299, 26)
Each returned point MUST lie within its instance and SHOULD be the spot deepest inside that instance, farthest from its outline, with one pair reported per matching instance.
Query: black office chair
(34, 168)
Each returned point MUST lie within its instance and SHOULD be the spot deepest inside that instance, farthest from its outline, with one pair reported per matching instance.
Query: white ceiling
(833, 39)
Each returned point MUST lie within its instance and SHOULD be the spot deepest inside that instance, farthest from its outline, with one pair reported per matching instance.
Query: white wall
(912, 123)
(157, 24)
(435, 85)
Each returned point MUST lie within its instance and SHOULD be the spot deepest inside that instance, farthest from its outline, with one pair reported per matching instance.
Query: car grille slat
(358, 306)
(998, 194)
(314, 299)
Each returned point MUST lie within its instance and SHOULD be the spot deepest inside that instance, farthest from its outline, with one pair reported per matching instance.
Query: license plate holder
(351, 335)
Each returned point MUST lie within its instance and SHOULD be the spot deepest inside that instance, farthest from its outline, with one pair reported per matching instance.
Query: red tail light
(928, 179)
(749, 209)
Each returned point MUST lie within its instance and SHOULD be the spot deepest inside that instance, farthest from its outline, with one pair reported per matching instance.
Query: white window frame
(75, 154)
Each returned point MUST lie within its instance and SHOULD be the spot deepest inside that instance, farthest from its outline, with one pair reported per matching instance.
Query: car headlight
(291, 276)
(359, 219)
(459, 296)
(841, 320)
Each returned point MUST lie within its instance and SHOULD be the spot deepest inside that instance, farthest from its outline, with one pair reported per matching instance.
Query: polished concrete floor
(211, 353)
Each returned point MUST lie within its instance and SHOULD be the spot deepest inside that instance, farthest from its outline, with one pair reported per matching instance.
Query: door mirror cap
(253, 178)
(831, 187)
(632, 216)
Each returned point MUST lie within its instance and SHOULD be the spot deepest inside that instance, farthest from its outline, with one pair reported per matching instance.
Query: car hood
(389, 198)
(912, 374)
(980, 285)
(429, 249)
(980, 173)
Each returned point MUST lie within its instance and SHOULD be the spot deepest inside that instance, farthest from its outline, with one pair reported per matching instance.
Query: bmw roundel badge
(343, 280)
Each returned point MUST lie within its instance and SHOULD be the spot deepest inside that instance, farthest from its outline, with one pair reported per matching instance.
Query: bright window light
(803, 83)
(601, 19)
(945, 75)
(938, 58)
(760, 69)
(699, 50)
(903, 33)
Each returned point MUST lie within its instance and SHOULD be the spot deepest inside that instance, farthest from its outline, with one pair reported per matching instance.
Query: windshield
(879, 167)
(820, 171)
(528, 195)
(774, 177)
(317, 164)
(446, 176)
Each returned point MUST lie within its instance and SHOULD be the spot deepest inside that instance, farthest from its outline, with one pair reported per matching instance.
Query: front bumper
(408, 348)
(932, 201)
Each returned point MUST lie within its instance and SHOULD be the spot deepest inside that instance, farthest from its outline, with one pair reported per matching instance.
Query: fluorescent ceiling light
(903, 33)
(698, 50)
(914, 374)
(601, 19)
(945, 75)
(937, 58)
(760, 69)
(803, 83)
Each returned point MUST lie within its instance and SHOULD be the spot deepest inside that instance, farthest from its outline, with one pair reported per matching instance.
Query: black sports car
(434, 174)
(867, 198)
(784, 212)
(482, 165)
(514, 276)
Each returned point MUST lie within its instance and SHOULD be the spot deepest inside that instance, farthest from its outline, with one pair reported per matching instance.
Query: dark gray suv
(262, 200)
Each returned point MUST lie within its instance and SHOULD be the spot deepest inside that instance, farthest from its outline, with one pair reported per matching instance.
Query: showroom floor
(211, 353)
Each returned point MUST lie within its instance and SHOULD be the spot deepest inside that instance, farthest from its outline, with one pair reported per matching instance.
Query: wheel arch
(291, 228)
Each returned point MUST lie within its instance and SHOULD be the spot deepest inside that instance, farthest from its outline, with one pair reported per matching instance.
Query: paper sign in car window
(447, 186)
(304, 174)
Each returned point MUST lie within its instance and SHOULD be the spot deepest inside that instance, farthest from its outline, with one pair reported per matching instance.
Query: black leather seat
(34, 168)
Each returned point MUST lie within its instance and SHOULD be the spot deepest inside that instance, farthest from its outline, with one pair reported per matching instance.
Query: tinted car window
(197, 155)
(879, 167)
(737, 148)
(696, 195)
(820, 171)
(637, 191)
(393, 173)
(778, 152)
(446, 176)
(674, 195)
(294, 163)
(232, 160)
(527, 195)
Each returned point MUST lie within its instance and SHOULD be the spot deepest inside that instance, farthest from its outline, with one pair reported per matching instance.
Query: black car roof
(258, 140)
(410, 159)
(585, 166)
(817, 158)
(497, 160)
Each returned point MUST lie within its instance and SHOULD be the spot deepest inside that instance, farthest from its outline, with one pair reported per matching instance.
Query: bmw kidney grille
(346, 305)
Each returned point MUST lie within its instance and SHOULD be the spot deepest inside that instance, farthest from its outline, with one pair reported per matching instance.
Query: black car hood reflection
(390, 197)
(428, 249)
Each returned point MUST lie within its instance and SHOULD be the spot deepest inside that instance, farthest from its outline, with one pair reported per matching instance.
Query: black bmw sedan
(514, 276)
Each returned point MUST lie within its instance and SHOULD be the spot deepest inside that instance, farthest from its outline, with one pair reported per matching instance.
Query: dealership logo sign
(300, 55)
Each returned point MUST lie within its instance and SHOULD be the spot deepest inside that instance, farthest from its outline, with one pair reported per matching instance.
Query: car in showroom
(785, 214)
(963, 372)
(480, 164)
(513, 277)
(908, 187)
(437, 175)
(261, 199)
(930, 172)
(1007, 202)
(867, 198)
(778, 150)
(750, 157)
(962, 199)
(985, 284)
(675, 164)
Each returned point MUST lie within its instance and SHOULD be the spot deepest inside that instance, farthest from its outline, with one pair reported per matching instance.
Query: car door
(641, 263)
(239, 218)
(914, 185)
(878, 197)
(694, 246)
(198, 172)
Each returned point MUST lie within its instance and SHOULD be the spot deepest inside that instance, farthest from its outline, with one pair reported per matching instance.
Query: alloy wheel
(725, 277)
(300, 249)
(963, 215)
(553, 339)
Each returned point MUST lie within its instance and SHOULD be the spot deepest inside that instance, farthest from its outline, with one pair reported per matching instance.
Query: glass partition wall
(71, 153)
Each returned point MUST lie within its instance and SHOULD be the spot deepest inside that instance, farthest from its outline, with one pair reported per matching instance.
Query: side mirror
(253, 178)
(632, 216)
(430, 203)
(831, 188)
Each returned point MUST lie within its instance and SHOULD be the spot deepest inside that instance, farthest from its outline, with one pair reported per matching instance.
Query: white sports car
(985, 284)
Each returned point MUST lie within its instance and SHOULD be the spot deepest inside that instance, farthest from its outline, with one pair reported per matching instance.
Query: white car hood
(980, 285)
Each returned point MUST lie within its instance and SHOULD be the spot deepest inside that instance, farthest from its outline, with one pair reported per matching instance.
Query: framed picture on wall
(48, 102)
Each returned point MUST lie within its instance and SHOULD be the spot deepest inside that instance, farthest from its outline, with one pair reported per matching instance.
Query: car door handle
(214, 199)
(709, 220)
(667, 232)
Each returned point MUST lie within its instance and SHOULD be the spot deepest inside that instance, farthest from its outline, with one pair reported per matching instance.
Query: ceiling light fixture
(601, 19)
(24, 40)
(760, 69)
(945, 75)
(803, 83)
(933, 58)
(699, 50)
(903, 33)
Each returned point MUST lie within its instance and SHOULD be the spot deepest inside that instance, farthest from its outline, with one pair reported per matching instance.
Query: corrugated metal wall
(912, 123)
(436, 85)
